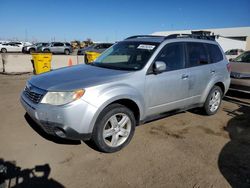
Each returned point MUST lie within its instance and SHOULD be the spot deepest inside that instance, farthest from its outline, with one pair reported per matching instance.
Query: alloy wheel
(117, 130)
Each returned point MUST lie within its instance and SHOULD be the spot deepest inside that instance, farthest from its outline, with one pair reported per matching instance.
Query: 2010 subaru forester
(132, 82)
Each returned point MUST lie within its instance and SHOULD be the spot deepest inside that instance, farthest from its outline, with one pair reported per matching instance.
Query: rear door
(18, 47)
(199, 70)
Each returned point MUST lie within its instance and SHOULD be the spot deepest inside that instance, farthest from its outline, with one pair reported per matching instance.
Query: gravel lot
(182, 150)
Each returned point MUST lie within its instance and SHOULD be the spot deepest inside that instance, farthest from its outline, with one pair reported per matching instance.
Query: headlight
(60, 98)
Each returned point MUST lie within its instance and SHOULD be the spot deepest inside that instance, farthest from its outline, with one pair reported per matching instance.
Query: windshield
(126, 55)
(245, 57)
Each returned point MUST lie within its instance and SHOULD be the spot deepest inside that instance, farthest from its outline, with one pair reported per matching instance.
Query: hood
(240, 67)
(76, 77)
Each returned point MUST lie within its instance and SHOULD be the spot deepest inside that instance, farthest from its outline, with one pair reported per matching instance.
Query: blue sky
(111, 20)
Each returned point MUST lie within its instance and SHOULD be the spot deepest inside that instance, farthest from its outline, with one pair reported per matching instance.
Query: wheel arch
(46, 49)
(130, 104)
(127, 102)
(221, 85)
(210, 86)
(32, 49)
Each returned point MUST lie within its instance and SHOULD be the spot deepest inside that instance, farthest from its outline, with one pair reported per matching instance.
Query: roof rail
(174, 36)
(142, 36)
(195, 36)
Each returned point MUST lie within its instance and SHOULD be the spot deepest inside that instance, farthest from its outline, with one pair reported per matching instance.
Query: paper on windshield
(146, 47)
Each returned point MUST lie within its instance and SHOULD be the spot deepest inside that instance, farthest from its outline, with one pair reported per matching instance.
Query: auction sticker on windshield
(146, 47)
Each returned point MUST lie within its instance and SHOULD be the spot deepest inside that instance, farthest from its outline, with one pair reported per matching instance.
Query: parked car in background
(58, 48)
(134, 81)
(233, 53)
(12, 47)
(240, 75)
(34, 48)
(97, 47)
(3, 41)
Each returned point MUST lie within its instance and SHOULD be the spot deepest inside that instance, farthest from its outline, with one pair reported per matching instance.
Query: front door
(168, 90)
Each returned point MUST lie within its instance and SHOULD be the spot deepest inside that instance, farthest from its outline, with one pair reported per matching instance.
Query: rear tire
(32, 50)
(114, 128)
(67, 52)
(213, 101)
(3, 50)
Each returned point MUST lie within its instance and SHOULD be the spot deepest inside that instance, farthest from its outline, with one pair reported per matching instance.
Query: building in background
(230, 38)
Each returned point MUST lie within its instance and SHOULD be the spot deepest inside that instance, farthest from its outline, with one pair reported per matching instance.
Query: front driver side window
(172, 56)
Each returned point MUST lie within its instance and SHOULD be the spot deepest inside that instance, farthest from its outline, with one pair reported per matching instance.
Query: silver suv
(58, 47)
(134, 81)
(34, 48)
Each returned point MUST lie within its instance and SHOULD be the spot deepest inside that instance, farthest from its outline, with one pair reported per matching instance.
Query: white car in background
(13, 46)
(233, 53)
(3, 42)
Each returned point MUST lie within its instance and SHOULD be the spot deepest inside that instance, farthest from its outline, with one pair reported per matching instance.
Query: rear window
(67, 44)
(214, 53)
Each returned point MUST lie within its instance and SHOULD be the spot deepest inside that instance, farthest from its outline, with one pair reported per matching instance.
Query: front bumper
(71, 121)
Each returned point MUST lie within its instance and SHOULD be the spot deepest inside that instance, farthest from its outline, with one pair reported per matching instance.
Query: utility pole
(26, 35)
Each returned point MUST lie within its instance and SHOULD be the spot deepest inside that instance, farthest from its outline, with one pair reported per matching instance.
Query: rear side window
(196, 54)
(172, 56)
(67, 44)
(214, 53)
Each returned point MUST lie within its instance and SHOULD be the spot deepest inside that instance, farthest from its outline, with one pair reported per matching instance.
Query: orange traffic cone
(70, 63)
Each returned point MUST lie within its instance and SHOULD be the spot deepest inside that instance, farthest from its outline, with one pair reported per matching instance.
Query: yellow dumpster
(41, 62)
(91, 56)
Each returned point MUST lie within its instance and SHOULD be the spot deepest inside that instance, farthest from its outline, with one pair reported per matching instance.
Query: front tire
(32, 50)
(3, 50)
(114, 128)
(213, 101)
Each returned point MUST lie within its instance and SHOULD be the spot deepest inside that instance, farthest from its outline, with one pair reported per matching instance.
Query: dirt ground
(183, 150)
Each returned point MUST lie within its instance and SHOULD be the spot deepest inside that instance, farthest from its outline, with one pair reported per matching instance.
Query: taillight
(229, 67)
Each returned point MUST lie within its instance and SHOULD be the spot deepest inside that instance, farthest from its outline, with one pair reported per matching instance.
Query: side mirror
(159, 67)
(231, 59)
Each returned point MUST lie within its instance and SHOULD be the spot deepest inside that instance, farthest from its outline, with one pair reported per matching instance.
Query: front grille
(34, 96)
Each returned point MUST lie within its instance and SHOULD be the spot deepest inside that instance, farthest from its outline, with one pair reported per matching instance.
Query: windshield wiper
(102, 65)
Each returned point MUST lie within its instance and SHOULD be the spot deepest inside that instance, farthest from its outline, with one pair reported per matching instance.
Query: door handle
(184, 77)
(212, 71)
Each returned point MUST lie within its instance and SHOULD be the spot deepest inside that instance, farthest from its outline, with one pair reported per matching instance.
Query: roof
(226, 32)
(147, 39)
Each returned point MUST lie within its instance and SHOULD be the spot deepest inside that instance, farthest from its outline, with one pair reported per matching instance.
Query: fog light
(60, 132)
